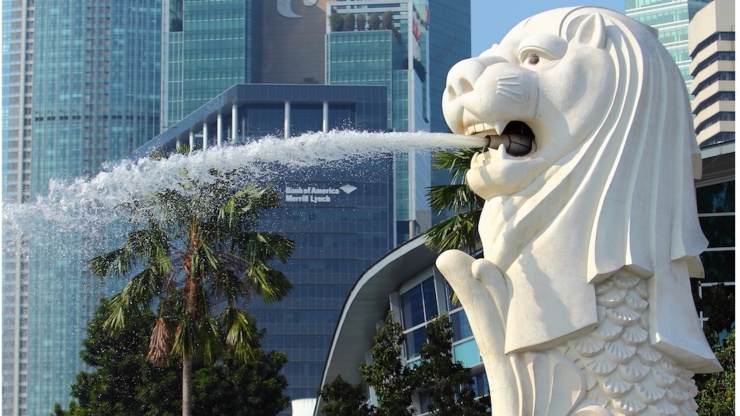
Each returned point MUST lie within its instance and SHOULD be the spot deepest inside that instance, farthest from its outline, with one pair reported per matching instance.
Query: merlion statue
(581, 304)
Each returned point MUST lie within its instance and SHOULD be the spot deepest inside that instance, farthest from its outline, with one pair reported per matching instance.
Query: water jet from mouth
(82, 204)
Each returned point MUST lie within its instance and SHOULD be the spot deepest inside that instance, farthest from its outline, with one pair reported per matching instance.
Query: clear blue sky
(492, 19)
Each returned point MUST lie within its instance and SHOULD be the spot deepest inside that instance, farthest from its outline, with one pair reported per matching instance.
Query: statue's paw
(495, 283)
(455, 266)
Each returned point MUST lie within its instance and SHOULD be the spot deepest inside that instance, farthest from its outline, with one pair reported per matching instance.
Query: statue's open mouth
(517, 137)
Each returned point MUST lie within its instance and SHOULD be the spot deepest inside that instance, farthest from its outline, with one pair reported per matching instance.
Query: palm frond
(455, 198)
(458, 232)
(117, 312)
(456, 162)
(241, 333)
(185, 341)
(138, 292)
(264, 246)
(116, 262)
(270, 284)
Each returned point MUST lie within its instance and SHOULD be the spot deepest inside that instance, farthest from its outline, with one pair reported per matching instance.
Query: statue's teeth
(478, 128)
(499, 127)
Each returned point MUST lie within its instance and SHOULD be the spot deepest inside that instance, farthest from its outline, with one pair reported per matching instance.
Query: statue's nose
(462, 77)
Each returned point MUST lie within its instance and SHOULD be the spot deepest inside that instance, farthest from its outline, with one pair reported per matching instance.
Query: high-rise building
(17, 88)
(373, 42)
(449, 43)
(712, 50)
(450, 37)
(671, 19)
(208, 47)
(82, 88)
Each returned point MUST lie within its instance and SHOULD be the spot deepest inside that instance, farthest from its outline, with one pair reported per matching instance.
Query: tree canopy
(122, 381)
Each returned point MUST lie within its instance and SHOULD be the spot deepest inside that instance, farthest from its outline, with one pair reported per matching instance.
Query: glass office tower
(17, 87)
(209, 46)
(671, 19)
(387, 43)
(96, 80)
(449, 44)
(449, 35)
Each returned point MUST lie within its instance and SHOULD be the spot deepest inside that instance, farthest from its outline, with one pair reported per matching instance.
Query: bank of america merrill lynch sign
(316, 195)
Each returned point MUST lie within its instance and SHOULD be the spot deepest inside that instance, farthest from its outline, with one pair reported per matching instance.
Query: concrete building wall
(712, 48)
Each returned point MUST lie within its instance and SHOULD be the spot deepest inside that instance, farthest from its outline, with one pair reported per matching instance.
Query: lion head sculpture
(589, 171)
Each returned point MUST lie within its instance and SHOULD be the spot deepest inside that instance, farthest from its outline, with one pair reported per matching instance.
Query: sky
(492, 19)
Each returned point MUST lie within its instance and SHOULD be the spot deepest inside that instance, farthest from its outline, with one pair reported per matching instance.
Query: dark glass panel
(719, 266)
(716, 198)
(430, 299)
(720, 231)
(460, 326)
(412, 308)
(414, 340)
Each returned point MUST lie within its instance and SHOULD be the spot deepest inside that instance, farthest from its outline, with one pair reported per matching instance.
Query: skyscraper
(387, 43)
(84, 89)
(18, 48)
(449, 43)
(712, 47)
(208, 47)
(671, 19)
(450, 37)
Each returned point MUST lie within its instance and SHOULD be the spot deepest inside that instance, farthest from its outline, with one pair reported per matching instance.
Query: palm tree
(196, 255)
(460, 231)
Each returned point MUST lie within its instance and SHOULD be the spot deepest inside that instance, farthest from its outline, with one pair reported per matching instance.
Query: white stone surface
(589, 238)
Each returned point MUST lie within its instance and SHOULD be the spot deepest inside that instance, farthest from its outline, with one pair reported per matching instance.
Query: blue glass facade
(388, 44)
(96, 80)
(16, 119)
(450, 43)
(341, 219)
(210, 47)
(671, 19)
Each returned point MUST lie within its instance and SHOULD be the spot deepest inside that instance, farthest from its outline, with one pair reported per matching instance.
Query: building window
(716, 206)
(418, 306)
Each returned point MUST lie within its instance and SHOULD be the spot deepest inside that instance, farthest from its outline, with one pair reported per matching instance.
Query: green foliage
(122, 382)
(392, 381)
(717, 391)
(386, 21)
(349, 22)
(342, 398)
(373, 22)
(448, 382)
(336, 23)
(460, 231)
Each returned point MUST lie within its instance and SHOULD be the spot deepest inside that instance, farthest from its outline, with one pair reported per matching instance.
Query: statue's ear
(591, 31)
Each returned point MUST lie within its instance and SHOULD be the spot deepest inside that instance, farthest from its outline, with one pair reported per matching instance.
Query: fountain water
(78, 205)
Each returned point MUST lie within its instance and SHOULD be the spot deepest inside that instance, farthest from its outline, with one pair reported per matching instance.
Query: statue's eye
(533, 59)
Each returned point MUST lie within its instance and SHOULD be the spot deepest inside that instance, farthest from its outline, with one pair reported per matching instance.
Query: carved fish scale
(624, 373)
